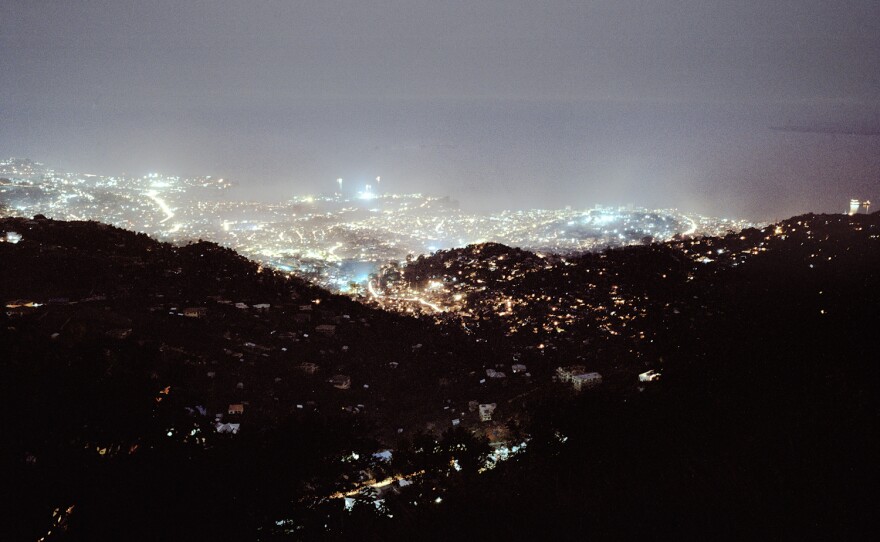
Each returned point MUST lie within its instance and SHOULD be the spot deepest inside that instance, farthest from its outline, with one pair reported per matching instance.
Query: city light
(328, 237)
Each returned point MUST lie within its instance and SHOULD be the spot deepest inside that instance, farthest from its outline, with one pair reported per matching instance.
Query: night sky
(497, 104)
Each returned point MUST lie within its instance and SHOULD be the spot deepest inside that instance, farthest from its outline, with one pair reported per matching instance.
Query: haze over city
(497, 104)
(487, 270)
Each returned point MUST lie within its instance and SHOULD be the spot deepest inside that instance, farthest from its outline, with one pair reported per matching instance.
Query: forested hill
(763, 424)
(238, 387)
(184, 392)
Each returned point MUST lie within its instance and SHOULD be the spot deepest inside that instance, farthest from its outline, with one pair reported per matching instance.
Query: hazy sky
(514, 103)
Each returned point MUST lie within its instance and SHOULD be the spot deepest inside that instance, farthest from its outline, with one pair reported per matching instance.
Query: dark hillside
(764, 424)
(127, 363)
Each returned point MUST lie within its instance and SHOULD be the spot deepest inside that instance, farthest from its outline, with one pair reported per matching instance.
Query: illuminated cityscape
(396, 271)
(338, 239)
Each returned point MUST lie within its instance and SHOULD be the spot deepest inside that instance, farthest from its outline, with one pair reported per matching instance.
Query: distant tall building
(859, 207)
(854, 205)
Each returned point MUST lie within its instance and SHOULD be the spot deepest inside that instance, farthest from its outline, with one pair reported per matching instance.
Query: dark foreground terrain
(119, 353)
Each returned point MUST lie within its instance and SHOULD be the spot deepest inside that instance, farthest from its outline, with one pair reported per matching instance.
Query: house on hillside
(195, 312)
(231, 428)
(649, 376)
(565, 374)
(235, 409)
(585, 380)
(486, 411)
(341, 382)
(492, 373)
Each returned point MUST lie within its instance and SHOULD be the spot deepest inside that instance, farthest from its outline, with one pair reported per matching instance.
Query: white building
(492, 373)
(649, 376)
(585, 380)
(565, 374)
(486, 411)
(228, 427)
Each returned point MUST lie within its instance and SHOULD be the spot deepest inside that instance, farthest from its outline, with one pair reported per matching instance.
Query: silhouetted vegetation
(763, 424)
